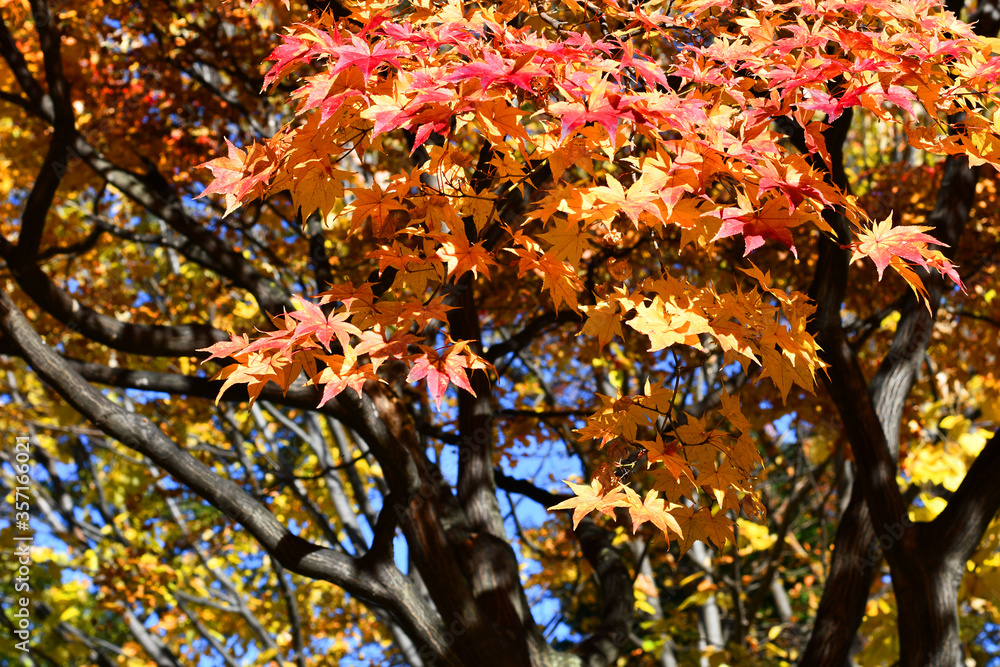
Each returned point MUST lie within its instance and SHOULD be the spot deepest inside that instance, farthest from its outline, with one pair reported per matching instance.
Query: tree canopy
(589, 332)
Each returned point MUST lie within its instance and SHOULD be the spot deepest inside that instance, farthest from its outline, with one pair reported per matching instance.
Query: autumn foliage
(710, 285)
(614, 156)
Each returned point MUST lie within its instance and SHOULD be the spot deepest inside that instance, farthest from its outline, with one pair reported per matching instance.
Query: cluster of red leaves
(334, 353)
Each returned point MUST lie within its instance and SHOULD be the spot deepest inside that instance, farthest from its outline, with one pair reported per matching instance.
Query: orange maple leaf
(670, 455)
(633, 203)
(590, 498)
(372, 202)
(226, 348)
(335, 381)
(256, 372)
(773, 221)
(603, 321)
(461, 258)
(651, 509)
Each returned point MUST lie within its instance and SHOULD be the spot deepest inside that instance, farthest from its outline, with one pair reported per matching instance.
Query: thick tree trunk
(927, 599)
(841, 607)
(926, 584)
(859, 544)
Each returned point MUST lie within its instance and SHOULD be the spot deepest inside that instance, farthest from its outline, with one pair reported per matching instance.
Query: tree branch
(49, 40)
(875, 485)
(963, 522)
(41, 102)
(386, 587)
(270, 296)
(36, 209)
(155, 340)
(525, 488)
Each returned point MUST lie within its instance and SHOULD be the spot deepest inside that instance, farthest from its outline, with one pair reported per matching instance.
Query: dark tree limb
(155, 340)
(294, 617)
(844, 380)
(523, 487)
(385, 587)
(865, 528)
(432, 521)
(301, 397)
(846, 590)
(228, 263)
(529, 332)
(16, 100)
(49, 40)
(73, 249)
(927, 595)
(43, 191)
(99, 648)
(603, 648)
(181, 244)
(476, 431)
(963, 522)
(41, 102)
(857, 546)
(898, 370)
(271, 297)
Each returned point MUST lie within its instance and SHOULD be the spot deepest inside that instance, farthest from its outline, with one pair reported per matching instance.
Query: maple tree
(308, 350)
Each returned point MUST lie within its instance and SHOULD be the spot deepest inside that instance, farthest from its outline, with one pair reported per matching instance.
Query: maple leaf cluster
(616, 152)
(332, 352)
(682, 458)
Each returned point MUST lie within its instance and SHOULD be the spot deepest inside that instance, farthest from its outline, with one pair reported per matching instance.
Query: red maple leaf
(773, 221)
(292, 52)
(240, 175)
(598, 109)
(649, 71)
(831, 105)
(487, 70)
(794, 179)
(366, 58)
(328, 92)
(883, 241)
(405, 32)
(387, 113)
(311, 320)
(442, 370)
